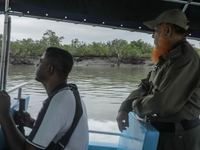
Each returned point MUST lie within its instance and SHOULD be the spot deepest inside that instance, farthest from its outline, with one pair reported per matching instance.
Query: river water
(102, 89)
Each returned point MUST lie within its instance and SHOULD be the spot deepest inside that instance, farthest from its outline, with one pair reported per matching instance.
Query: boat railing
(103, 145)
(19, 88)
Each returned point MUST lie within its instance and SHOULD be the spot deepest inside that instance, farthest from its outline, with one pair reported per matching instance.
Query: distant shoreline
(110, 62)
(86, 61)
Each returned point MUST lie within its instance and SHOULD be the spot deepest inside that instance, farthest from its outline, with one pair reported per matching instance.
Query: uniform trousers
(181, 139)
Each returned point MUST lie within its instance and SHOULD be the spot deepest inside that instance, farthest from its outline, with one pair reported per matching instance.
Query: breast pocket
(156, 78)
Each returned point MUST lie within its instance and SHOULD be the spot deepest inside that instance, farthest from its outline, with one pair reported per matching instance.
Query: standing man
(58, 111)
(170, 95)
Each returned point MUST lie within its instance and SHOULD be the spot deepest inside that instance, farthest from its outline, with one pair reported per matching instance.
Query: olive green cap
(173, 16)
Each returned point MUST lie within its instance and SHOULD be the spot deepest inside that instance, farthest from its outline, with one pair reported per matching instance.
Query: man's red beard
(162, 49)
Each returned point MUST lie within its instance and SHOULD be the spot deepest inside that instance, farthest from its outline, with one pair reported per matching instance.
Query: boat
(120, 15)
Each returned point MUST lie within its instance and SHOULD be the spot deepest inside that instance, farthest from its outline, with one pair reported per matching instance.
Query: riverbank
(87, 61)
(15, 60)
(110, 61)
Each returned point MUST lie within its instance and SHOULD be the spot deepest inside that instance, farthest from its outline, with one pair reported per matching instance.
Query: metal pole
(186, 5)
(6, 6)
(3, 51)
(19, 93)
(5, 47)
(17, 88)
(183, 2)
(7, 53)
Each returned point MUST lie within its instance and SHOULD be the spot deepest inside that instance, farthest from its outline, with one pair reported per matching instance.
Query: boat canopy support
(5, 48)
(184, 2)
(186, 5)
(123, 15)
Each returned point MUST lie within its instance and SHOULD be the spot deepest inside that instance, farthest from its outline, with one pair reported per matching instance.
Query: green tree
(50, 39)
(118, 45)
(143, 49)
(16, 48)
(77, 47)
(116, 48)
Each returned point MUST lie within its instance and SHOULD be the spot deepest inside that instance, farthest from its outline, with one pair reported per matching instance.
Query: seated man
(58, 111)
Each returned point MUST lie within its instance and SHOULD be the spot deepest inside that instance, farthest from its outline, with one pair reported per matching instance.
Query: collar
(57, 88)
(179, 43)
(176, 50)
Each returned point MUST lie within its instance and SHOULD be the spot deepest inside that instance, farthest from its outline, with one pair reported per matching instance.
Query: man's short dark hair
(61, 60)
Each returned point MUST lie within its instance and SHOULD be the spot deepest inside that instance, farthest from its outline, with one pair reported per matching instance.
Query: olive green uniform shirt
(171, 91)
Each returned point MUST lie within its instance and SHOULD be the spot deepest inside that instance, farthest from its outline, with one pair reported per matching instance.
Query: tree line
(116, 48)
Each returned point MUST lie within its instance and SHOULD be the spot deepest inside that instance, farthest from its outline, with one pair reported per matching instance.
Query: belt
(170, 127)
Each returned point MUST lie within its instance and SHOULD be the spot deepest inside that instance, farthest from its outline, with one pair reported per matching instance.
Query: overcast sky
(23, 28)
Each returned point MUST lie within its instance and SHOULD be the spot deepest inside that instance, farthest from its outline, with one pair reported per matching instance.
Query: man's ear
(50, 69)
(168, 31)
